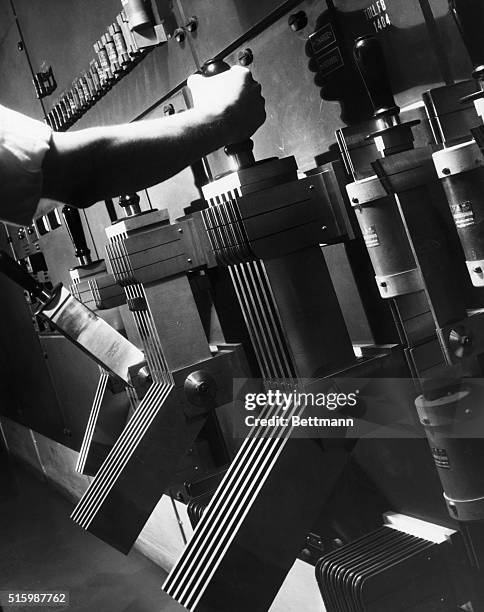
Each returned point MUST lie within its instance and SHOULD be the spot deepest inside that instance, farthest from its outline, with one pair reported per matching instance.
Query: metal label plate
(322, 38)
(463, 215)
(371, 237)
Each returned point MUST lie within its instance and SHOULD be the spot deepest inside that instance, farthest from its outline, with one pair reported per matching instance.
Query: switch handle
(240, 151)
(73, 221)
(15, 272)
(469, 17)
(369, 58)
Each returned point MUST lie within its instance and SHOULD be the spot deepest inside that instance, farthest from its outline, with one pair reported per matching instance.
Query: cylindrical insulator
(80, 92)
(63, 112)
(120, 44)
(108, 42)
(469, 16)
(139, 13)
(90, 85)
(60, 116)
(461, 169)
(103, 58)
(96, 80)
(396, 271)
(75, 98)
(68, 105)
(85, 89)
(451, 418)
(52, 119)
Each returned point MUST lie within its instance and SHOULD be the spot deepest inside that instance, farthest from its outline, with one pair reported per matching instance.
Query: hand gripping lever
(240, 152)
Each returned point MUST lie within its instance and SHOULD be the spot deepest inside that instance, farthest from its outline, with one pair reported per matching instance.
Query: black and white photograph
(242, 305)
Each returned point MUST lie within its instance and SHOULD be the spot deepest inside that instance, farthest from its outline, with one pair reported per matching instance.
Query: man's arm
(86, 166)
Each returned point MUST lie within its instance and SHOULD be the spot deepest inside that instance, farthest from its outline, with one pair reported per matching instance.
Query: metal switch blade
(92, 334)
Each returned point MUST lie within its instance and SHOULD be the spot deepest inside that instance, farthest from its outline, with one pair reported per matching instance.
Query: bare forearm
(90, 165)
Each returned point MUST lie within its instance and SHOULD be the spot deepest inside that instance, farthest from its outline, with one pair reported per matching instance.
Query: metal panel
(59, 252)
(161, 72)
(16, 87)
(75, 377)
(298, 122)
(176, 193)
(23, 370)
(62, 34)
(407, 37)
(220, 22)
(450, 40)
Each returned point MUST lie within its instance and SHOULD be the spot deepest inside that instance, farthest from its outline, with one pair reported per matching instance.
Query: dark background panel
(16, 87)
(158, 74)
(59, 252)
(30, 397)
(75, 377)
(62, 34)
(459, 63)
(220, 22)
(299, 122)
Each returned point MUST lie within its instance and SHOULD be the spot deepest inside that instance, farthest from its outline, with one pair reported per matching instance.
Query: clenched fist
(231, 100)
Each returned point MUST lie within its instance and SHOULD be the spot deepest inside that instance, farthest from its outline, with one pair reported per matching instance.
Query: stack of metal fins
(386, 570)
(196, 508)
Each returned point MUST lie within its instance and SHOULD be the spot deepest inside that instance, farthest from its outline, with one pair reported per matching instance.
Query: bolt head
(245, 57)
(192, 24)
(297, 21)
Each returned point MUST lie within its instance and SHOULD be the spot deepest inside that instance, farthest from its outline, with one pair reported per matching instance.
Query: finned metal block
(133, 224)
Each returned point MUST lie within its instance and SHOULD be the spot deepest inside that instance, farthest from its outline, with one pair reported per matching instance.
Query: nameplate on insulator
(322, 38)
(463, 215)
(377, 15)
(371, 237)
(329, 62)
(441, 458)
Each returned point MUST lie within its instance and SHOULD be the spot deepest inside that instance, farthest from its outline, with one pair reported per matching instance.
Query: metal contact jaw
(201, 392)
(394, 138)
(266, 211)
(49, 299)
(133, 224)
(140, 378)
